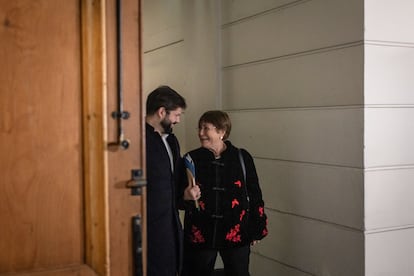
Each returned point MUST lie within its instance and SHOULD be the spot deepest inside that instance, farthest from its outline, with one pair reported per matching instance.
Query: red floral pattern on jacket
(225, 218)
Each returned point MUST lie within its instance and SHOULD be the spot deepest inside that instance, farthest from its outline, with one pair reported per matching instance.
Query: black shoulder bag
(244, 176)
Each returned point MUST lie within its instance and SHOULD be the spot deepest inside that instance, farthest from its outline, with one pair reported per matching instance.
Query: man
(165, 174)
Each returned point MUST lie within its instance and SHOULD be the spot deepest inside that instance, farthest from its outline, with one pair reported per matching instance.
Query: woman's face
(210, 136)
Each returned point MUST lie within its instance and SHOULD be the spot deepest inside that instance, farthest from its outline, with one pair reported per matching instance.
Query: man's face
(171, 118)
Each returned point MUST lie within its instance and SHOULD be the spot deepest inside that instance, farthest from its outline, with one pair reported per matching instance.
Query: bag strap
(243, 166)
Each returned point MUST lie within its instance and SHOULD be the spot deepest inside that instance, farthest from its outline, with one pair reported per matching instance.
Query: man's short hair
(164, 96)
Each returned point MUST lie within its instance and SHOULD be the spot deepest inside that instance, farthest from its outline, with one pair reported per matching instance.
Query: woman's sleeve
(257, 217)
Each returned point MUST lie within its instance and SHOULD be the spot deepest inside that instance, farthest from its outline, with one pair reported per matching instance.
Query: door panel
(40, 132)
(64, 207)
(122, 205)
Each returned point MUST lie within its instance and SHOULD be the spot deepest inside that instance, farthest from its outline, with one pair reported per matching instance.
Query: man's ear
(161, 112)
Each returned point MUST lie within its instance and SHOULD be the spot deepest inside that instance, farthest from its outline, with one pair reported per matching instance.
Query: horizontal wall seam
(389, 229)
(308, 163)
(297, 54)
(389, 43)
(318, 164)
(282, 263)
(262, 13)
(164, 46)
(372, 106)
(390, 168)
(323, 107)
(297, 108)
(345, 227)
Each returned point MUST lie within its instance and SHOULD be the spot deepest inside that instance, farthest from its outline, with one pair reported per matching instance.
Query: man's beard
(166, 125)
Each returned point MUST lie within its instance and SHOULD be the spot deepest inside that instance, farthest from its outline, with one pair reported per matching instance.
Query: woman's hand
(192, 192)
(254, 242)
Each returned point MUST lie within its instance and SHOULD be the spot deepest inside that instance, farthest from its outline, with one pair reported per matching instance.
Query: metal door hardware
(137, 245)
(119, 114)
(136, 182)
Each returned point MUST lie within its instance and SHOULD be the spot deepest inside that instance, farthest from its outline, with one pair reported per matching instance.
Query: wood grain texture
(94, 124)
(122, 205)
(40, 133)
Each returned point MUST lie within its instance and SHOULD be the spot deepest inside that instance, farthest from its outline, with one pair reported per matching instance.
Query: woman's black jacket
(227, 217)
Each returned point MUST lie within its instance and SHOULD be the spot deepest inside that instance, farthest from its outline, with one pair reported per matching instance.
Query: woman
(229, 215)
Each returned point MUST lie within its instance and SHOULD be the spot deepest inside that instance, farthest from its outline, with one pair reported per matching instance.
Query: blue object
(189, 164)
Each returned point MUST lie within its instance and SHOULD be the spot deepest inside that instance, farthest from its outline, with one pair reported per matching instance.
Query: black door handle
(137, 182)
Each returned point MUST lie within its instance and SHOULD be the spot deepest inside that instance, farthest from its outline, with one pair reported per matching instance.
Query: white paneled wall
(291, 29)
(390, 252)
(263, 266)
(388, 199)
(241, 9)
(292, 82)
(388, 74)
(162, 24)
(181, 49)
(389, 136)
(330, 136)
(321, 93)
(163, 56)
(326, 193)
(332, 77)
(313, 246)
(390, 21)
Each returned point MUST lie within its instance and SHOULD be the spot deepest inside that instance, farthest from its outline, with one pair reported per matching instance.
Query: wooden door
(126, 77)
(64, 208)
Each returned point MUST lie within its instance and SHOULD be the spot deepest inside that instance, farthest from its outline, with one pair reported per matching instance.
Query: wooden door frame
(94, 120)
